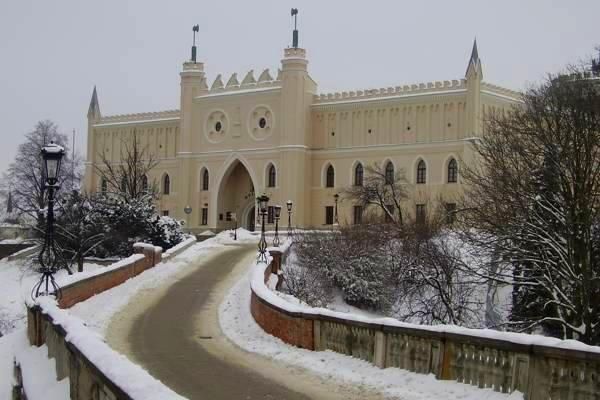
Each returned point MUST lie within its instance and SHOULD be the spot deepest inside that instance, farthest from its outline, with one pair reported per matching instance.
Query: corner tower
(297, 90)
(474, 76)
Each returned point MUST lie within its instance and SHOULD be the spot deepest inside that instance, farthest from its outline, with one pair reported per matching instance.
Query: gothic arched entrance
(236, 196)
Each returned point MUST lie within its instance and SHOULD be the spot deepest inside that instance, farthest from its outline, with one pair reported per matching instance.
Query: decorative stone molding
(261, 122)
(217, 126)
(139, 117)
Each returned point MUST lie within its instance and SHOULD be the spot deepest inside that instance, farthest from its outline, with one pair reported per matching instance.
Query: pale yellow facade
(236, 129)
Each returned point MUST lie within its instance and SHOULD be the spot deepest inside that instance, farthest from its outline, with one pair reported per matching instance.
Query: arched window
(389, 173)
(358, 175)
(452, 171)
(166, 184)
(104, 185)
(330, 177)
(421, 172)
(205, 179)
(144, 183)
(271, 176)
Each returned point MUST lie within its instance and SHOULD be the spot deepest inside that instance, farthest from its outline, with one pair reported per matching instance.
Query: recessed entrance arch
(236, 196)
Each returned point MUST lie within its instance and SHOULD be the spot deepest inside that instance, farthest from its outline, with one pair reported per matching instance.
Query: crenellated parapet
(437, 87)
(501, 91)
(265, 80)
(139, 117)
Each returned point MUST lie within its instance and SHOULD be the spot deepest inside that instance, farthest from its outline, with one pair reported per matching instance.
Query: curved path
(177, 339)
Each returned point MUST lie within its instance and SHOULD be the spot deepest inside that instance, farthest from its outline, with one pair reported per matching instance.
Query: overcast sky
(52, 53)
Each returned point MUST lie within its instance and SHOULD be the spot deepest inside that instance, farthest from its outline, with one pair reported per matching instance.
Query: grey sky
(53, 52)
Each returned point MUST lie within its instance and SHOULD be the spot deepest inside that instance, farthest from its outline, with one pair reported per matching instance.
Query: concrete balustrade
(504, 362)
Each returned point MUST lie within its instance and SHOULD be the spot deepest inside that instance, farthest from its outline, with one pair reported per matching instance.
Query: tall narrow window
(329, 215)
(452, 171)
(389, 173)
(358, 175)
(204, 216)
(144, 183)
(123, 184)
(166, 185)
(103, 185)
(358, 213)
(330, 177)
(389, 215)
(420, 213)
(205, 179)
(272, 176)
(421, 172)
(271, 215)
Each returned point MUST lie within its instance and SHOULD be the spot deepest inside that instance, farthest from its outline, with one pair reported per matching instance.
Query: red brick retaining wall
(145, 257)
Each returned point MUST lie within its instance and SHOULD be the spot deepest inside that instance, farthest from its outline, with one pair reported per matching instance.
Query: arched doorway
(236, 196)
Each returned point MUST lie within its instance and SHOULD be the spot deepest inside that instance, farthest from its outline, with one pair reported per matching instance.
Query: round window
(262, 123)
(218, 126)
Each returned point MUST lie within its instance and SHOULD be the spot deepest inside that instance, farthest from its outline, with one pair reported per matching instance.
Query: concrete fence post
(380, 345)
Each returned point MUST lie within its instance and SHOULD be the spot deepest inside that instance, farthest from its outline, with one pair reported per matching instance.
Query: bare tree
(380, 190)
(128, 178)
(24, 177)
(533, 198)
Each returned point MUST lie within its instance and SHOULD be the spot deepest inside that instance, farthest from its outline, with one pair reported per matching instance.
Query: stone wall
(504, 362)
(7, 249)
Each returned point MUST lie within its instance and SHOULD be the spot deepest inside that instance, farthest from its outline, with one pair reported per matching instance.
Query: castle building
(234, 139)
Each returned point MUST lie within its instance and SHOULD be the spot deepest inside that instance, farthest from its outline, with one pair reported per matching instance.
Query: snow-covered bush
(307, 283)
(128, 222)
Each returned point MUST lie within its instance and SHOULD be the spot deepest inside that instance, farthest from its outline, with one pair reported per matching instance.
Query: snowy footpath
(239, 326)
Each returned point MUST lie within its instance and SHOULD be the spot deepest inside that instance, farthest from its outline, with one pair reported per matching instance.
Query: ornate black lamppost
(49, 256)
(277, 216)
(289, 205)
(336, 197)
(262, 243)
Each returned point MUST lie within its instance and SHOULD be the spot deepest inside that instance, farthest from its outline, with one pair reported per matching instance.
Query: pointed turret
(474, 77)
(94, 110)
(474, 66)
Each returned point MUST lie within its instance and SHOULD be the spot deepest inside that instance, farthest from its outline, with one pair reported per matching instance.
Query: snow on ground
(18, 278)
(39, 375)
(239, 326)
(10, 344)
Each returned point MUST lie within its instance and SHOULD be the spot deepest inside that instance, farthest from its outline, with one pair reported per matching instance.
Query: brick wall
(86, 288)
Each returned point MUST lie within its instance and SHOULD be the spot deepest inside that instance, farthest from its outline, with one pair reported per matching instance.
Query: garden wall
(542, 368)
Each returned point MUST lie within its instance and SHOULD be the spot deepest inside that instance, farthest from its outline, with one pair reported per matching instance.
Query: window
(205, 179)
(144, 183)
(421, 172)
(450, 213)
(389, 173)
(165, 213)
(270, 215)
(358, 175)
(104, 185)
(228, 216)
(271, 176)
(204, 216)
(452, 171)
(420, 213)
(123, 184)
(329, 215)
(166, 185)
(330, 177)
(358, 212)
(390, 213)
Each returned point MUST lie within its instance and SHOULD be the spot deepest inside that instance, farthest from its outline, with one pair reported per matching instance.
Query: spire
(474, 62)
(9, 203)
(94, 110)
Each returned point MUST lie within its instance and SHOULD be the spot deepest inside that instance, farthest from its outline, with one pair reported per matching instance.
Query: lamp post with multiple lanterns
(49, 256)
(336, 197)
(262, 201)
